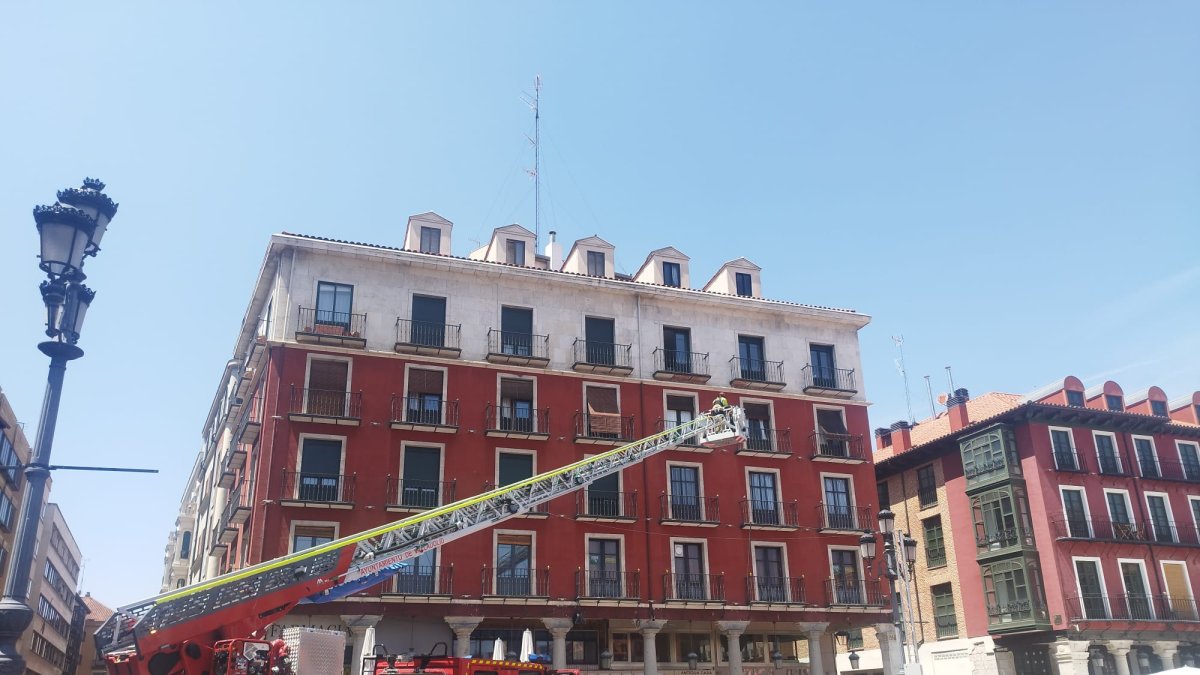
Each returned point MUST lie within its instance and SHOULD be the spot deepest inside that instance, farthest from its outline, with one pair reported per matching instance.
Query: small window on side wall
(1114, 403)
(431, 240)
(671, 276)
(595, 263)
(1075, 398)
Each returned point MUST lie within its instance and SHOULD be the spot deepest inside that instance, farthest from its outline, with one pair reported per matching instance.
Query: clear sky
(1013, 186)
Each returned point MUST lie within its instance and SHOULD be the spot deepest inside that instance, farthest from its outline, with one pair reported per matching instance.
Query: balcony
(537, 511)
(767, 442)
(1162, 608)
(317, 490)
(603, 428)
(341, 408)
(1016, 615)
(601, 357)
(1067, 459)
(429, 339)
(995, 542)
(605, 585)
(676, 366)
(839, 518)
(515, 583)
(693, 587)
(836, 382)
(235, 458)
(517, 422)
(1111, 466)
(251, 425)
(854, 593)
(605, 505)
(414, 494)
(689, 510)
(837, 448)
(518, 349)
(691, 444)
(1172, 470)
(766, 515)
(756, 374)
(1100, 529)
(776, 590)
(326, 327)
(237, 512)
(422, 413)
(422, 580)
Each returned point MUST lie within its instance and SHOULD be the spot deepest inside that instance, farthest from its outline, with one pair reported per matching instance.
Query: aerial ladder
(216, 627)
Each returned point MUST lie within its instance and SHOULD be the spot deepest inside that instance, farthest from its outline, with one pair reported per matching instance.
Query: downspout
(645, 469)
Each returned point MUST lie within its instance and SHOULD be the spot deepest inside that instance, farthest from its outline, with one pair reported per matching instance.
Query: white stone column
(558, 633)
(649, 630)
(359, 625)
(733, 635)
(1071, 656)
(1120, 652)
(889, 648)
(463, 626)
(814, 631)
(1166, 650)
(1006, 663)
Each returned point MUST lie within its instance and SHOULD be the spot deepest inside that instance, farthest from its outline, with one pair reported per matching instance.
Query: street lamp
(894, 542)
(70, 231)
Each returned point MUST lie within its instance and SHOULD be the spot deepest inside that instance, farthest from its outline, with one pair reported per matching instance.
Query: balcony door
(764, 498)
(1161, 518)
(516, 331)
(333, 304)
(328, 382)
(604, 568)
(1091, 589)
(689, 571)
(1076, 514)
(1179, 591)
(750, 351)
(320, 470)
(847, 584)
(677, 350)
(428, 321)
(421, 480)
(1137, 592)
(420, 575)
(1118, 515)
(838, 513)
(769, 574)
(603, 412)
(824, 369)
(424, 403)
(758, 426)
(604, 496)
(600, 334)
(685, 493)
(516, 405)
(514, 564)
(834, 435)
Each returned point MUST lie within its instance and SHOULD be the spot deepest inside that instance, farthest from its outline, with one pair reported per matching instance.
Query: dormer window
(595, 263)
(745, 286)
(1158, 408)
(1114, 403)
(1075, 398)
(515, 252)
(671, 275)
(431, 240)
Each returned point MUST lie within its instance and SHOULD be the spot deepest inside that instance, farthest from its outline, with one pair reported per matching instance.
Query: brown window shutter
(314, 531)
(681, 403)
(327, 375)
(603, 412)
(831, 422)
(514, 539)
(424, 382)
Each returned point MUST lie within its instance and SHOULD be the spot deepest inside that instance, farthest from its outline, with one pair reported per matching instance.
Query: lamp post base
(15, 617)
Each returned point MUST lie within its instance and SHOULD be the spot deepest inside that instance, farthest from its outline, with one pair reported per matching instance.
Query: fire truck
(216, 627)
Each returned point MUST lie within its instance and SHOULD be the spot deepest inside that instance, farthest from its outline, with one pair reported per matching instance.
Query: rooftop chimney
(901, 436)
(956, 406)
(554, 251)
(883, 438)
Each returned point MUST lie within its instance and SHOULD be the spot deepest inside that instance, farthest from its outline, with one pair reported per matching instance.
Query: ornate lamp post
(894, 543)
(70, 231)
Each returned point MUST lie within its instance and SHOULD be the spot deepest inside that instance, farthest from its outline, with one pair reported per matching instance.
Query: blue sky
(1012, 186)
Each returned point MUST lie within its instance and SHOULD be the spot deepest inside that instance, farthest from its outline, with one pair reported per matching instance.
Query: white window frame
(1116, 450)
(701, 496)
(778, 481)
(853, 497)
(703, 547)
(1128, 504)
(310, 523)
(600, 385)
(1170, 515)
(533, 580)
(1074, 448)
(512, 451)
(326, 357)
(1075, 559)
(1179, 451)
(862, 570)
(1192, 511)
(441, 464)
(300, 455)
(1187, 578)
(1145, 583)
(500, 377)
(787, 575)
(587, 558)
(1133, 439)
(408, 367)
(1087, 508)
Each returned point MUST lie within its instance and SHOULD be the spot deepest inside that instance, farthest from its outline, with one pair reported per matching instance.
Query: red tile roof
(979, 409)
(97, 611)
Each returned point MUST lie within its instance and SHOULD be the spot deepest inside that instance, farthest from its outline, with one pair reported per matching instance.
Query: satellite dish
(942, 399)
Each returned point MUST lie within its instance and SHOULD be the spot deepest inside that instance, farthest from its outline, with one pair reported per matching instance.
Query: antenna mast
(537, 158)
(929, 390)
(899, 340)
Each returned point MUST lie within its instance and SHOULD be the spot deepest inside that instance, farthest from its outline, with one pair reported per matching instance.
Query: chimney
(554, 251)
(901, 436)
(883, 438)
(956, 406)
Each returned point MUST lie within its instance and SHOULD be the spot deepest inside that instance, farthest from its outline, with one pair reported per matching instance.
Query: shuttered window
(604, 415)
(424, 382)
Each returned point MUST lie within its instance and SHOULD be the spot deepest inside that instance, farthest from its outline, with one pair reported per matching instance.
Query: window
(1091, 588)
(988, 453)
(745, 286)
(328, 383)
(603, 416)
(43, 648)
(516, 331)
(1160, 517)
(1006, 592)
(935, 543)
(943, 611)
(690, 580)
(59, 583)
(600, 336)
(680, 410)
(52, 617)
(833, 435)
(1146, 456)
(1114, 403)
(604, 496)
(513, 467)
(753, 648)
(1075, 511)
(179, 583)
(1119, 515)
(595, 263)
(604, 579)
(8, 458)
(420, 478)
(764, 497)
(1137, 593)
(333, 304)
(1158, 408)
(846, 582)
(514, 563)
(1178, 590)
(854, 638)
(1106, 454)
(428, 321)
(309, 536)
(516, 405)
(927, 486)
(750, 354)
(671, 274)
(769, 574)
(1075, 398)
(699, 644)
(758, 427)
(677, 350)
(839, 512)
(824, 368)
(185, 546)
(424, 402)
(419, 577)
(514, 250)
(685, 493)
(319, 478)
(1189, 458)
(431, 240)
(627, 647)
(1064, 450)
(882, 494)
(1001, 519)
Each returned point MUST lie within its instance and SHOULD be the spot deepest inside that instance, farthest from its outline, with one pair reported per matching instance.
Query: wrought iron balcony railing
(770, 514)
(766, 440)
(1110, 465)
(818, 379)
(1101, 529)
(610, 585)
(417, 336)
(841, 517)
(416, 493)
(604, 427)
(511, 346)
(789, 590)
(516, 582)
(843, 447)
(671, 364)
(422, 580)
(663, 425)
(689, 509)
(306, 486)
(694, 587)
(743, 372)
(604, 357)
(1067, 459)
(328, 326)
(421, 410)
(326, 403)
(863, 592)
(605, 505)
(516, 420)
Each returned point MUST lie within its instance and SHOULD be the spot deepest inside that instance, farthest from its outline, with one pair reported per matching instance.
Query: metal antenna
(899, 340)
(533, 102)
(950, 379)
(929, 390)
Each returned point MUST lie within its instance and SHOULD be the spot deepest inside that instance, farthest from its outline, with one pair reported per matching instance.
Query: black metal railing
(326, 403)
(1099, 528)
(1110, 465)
(776, 589)
(427, 334)
(1148, 467)
(515, 582)
(1093, 607)
(689, 586)
(427, 410)
(307, 486)
(767, 439)
(1068, 460)
(328, 322)
(841, 517)
(756, 370)
(690, 442)
(770, 513)
(605, 504)
(680, 363)
(604, 426)
(997, 539)
(517, 419)
(1015, 610)
(1173, 469)
(836, 379)
(238, 498)
(422, 580)
(837, 446)
(510, 343)
(417, 493)
(1177, 608)
(603, 354)
(608, 584)
(690, 508)
(864, 592)
(1170, 533)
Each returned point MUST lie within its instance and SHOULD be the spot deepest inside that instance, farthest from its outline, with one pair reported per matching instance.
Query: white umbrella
(368, 648)
(526, 645)
(498, 650)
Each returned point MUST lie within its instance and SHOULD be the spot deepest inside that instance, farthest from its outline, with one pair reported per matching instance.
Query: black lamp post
(867, 549)
(70, 230)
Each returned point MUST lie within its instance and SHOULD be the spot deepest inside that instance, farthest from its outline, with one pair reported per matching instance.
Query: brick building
(1060, 530)
(96, 613)
(370, 382)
